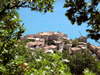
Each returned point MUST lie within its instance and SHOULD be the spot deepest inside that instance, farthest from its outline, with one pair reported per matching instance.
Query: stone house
(93, 48)
(74, 49)
(27, 36)
(53, 47)
(98, 53)
(61, 35)
(45, 37)
(31, 44)
(65, 35)
(81, 46)
(35, 44)
(53, 37)
(50, 32)
(82, 39)
(42, 40)
(39, 44)
(38, 35)
(70, 40)
(60, 45)
(48, 51)
(68, 47)
(36, 39)
(30, 38)
(82, 43)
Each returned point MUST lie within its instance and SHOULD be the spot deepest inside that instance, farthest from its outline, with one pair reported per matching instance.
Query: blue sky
(36, 22)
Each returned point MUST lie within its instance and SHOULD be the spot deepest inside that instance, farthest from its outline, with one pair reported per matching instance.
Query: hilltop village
(58, 41)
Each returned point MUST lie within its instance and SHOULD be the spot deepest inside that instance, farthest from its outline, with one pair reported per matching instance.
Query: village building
(60, 44)
(53, 37)
(81, 46)
(67, 47)
(39, 41)
(27, 36)
(36, 39)
(35, 44)
(53, 47)
(74, 49)
(31, 44)
(93, 48)
(50, 32)
(42, 40)
(61, 35)
(45, 36)
(82, 39)
(39, 44)
(38, 35)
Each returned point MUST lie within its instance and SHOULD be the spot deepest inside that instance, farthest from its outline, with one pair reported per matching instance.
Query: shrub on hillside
(48, 64)
(51, 43)
(74, 43)
(24, 42)
(66, 41)
(88, 45)
(81, 61)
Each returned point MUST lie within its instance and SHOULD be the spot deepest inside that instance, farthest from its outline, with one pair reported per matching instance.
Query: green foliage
(74, 43)
(79, 12)
(51, 43)
(48, 64)
(81, 61)
(24, 42)
(87, 72)
(88, 45)
(66, 41)
(11, 30)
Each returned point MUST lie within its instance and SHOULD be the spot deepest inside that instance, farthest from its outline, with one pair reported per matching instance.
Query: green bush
(51, 43)
(66, 41)
(48, 64)
(25, 41)
(88, 45)
(74, 43)
(88, 72)
(81, 61)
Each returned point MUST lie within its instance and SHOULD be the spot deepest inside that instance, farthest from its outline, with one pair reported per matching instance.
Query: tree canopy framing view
(11, 30)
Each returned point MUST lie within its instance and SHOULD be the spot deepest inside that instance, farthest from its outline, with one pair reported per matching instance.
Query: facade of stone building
(53, 37)
(75, 49)
(38, 35)
(68, 47)
(45, 37)
(39, 44)
(93, 48)
(60, 45)
(53, 47)
(27, 36)
(42, 40)
(31, 44)
(98, 53)
(50, 32)
(65, 35)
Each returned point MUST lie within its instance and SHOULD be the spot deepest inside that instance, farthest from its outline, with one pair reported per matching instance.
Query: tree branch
(8, 6)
